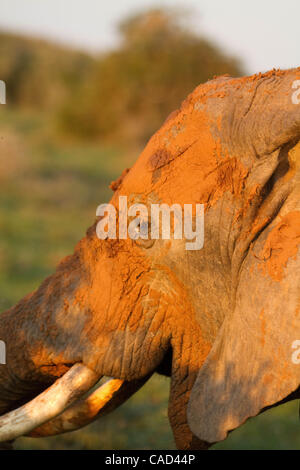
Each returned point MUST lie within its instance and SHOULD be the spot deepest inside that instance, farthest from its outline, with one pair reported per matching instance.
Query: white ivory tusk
(103, 400)
(46, 406)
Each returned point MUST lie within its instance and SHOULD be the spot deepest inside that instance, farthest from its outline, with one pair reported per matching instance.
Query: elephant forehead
(199, 137)
(185, 161)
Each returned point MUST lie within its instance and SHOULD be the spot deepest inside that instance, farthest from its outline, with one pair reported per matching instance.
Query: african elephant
(221, 321)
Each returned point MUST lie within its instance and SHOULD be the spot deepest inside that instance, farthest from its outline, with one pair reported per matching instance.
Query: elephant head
(220, 321)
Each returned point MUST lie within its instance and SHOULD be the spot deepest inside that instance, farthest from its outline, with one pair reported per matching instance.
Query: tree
(135, 87)
(40, 75)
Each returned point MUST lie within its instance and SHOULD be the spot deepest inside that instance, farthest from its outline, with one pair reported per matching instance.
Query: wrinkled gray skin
(219, 321)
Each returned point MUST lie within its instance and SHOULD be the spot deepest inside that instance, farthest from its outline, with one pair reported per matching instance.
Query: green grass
(49, 191)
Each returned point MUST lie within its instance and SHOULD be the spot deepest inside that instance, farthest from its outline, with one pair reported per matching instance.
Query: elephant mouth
(75, 400)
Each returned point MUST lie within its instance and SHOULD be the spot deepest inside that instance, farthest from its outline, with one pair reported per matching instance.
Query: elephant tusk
(46, 406)
(102, 401)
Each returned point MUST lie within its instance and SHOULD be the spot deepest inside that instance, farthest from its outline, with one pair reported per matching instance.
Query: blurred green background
(71, 124)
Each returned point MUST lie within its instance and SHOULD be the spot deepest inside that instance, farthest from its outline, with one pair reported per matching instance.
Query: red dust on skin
(263, 326)
(192, 155)
(114, 185)
(281, 244)
(186, 147)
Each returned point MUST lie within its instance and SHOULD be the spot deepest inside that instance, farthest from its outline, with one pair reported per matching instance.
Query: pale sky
(264, 33)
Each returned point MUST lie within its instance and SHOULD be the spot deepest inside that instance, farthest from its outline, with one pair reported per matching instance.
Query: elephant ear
(254, 362)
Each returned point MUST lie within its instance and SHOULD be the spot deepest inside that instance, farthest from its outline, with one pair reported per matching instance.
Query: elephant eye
(144, 235)
(144, 229)
(144, 243)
